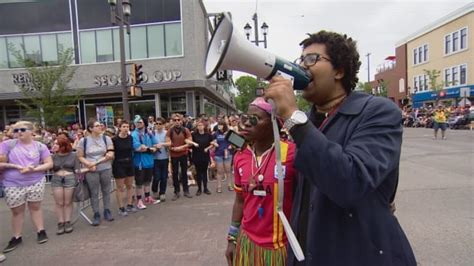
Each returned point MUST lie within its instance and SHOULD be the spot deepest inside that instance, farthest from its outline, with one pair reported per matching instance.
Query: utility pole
(368, 67)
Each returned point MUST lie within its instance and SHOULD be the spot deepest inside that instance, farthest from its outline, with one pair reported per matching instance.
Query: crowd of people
(456, 117)
(140, 156)
(335, 179)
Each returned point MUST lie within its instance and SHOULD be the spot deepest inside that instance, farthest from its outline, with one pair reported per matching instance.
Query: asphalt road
(434, 206)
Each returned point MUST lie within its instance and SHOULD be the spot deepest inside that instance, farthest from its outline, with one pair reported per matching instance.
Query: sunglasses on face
(159, 124)
(176, 120)
(16, 130)
(310, 59)
(252, 119)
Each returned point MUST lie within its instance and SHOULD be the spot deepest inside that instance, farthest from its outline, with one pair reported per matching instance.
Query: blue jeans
(160, 176)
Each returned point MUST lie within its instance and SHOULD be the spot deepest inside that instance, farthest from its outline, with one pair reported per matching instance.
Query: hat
(137, 119)
(262, 104)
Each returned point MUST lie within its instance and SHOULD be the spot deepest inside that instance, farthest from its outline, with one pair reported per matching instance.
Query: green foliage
(303, 104)
(365, 87)
(246, 85)
(433, 75)
(47, 95)
(382, 89)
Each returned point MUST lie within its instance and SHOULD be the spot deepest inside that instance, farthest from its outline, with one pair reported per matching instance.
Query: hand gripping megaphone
(229, 50)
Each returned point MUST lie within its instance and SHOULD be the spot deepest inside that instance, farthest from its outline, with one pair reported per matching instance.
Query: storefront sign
(23, 80)
(156, 77)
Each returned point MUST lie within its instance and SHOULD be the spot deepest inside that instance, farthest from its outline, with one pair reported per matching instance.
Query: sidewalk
(184, 232)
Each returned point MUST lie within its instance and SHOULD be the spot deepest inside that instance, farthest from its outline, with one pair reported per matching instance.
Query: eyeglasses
(253, 119)
(97, 125)
(23, 129)
(310, 59)
(159, 124)
(140, 122)
(176, 120)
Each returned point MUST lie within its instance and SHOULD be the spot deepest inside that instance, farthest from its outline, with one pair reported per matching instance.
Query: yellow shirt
(440, 116)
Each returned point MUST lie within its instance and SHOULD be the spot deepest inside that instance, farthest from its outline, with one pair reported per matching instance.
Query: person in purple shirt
(24, 180)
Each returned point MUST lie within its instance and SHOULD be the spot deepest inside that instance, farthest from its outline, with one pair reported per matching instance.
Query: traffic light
(137, 77)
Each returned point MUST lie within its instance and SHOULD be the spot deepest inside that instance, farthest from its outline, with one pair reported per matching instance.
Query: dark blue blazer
(352, 165)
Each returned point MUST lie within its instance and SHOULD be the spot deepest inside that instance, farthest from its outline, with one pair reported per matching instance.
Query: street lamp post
(120, 11)
(264, 27)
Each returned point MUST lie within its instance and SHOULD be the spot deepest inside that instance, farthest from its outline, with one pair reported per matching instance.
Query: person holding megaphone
(348, 154)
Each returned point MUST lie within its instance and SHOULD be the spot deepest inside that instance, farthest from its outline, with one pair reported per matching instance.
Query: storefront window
(173, 39)
(164, 106)
(104, 46)
(49, 48)
(88, 47)
(178, 104)
(156, 45)
(143, 109)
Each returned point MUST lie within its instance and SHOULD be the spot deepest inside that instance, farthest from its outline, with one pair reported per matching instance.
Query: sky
(376, 25)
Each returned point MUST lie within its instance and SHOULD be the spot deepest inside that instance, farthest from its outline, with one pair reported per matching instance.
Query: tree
(303, 104)
(434, 86)
(47, 95)
(382, 89)
(247, 86)
(365, 87)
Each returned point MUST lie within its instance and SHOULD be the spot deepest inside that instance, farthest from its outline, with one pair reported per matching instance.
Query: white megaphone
(229, 50)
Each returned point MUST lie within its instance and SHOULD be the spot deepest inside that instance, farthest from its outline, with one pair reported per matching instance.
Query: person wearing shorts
(440, 117)
(24, 185)
(122, 168)
(65, 165)
(223, 156)
(143, 162)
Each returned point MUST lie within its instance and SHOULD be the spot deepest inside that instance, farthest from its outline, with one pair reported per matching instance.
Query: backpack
(13, 143)
(85, 143)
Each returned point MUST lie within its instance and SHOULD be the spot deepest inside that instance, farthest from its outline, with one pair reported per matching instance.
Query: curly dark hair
(343, 53)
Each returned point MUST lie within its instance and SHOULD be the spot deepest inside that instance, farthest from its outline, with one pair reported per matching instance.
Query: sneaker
(151, 200)
(175, 196)
(2, 257)
(108, 215)
(140, 205)
(162, 197)
(219, 190)
(42, 237)
(122, 212)
(206, 191)
(68, 228)
(198, 193)
(96, 220)
(131, 209)
(14, 242)
(187, 195)
(60, 230)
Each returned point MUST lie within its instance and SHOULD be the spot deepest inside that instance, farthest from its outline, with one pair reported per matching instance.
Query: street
(434, 206)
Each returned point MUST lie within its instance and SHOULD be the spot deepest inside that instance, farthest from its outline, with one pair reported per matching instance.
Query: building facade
(445, 46)
(168, 37)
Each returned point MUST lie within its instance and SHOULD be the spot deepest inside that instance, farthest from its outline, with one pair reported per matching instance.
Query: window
(455, 41)
(420, 54)
(425, 52)
(463, 42)
(49, 48)
(88, 47)
(173, 39)
(32, 48)
(426, 82)
(156, 46)
(104, 45)
(64, 41)
(447, 77)
(447, 44)
(415, 83)
(3, 53)
(15, 44)
(454, 75)
(117, 45)
(415, 56)
(462, 72)
(139, 44)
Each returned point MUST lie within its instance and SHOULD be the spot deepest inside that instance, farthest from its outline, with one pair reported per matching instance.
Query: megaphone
(229, 50)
